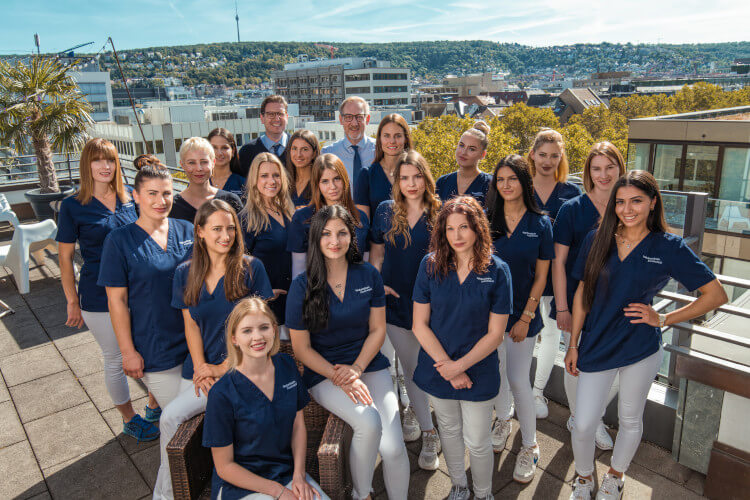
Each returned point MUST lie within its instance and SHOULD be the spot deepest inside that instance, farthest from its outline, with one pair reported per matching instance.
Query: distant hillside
(252, 62)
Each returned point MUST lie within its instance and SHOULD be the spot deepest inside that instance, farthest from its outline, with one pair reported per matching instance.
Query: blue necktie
(276, 148)
(357, 165)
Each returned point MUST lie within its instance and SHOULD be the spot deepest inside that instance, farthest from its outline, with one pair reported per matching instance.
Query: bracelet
(522, 321)
(562, 310)
(573, 347)
(280, 493)
(534, 299)
(358, 368)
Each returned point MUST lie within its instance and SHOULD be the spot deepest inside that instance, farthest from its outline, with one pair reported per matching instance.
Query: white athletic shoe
(500, 432)
(569, 425)
(603, 439)
(428, 457)
(526, 462)
(402, 390)
(611, 488)
(459, 493)
(410, 426)
(583, 489)
(512, 411)
(540, 403)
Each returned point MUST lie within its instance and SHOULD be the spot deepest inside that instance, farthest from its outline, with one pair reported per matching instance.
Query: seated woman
(227, 162)
(254, 423)
(304, 149)
(335, 313)
(197, 159)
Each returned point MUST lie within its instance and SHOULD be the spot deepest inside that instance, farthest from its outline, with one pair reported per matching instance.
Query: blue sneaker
(140, 429)
(152, 414)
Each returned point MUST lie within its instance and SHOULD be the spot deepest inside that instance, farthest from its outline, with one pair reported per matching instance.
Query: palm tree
(41, 104)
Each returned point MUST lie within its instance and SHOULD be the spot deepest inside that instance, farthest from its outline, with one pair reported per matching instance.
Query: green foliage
(523, 122)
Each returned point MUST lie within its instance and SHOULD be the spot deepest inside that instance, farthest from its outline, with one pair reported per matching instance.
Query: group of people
(355, 255)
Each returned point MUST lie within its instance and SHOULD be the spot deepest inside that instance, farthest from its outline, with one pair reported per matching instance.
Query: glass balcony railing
(728, 216)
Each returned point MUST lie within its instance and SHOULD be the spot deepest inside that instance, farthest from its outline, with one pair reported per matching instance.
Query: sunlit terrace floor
(60, 435)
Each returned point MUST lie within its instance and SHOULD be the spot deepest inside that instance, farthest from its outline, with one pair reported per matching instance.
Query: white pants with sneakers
(182, 408)
(406, 347)
(466, 424)
(377, 428)
(100, 325)
(261, 496)
(549, 345)
(593, 390)
(515, 364)
(571, 386)
(164, 385)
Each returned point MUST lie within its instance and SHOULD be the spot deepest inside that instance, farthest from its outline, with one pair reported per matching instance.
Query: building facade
(97, 89)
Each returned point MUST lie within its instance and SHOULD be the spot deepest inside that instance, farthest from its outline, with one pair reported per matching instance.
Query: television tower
(237, 19)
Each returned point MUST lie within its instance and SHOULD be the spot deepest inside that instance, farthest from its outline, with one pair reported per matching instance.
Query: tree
(603, 124)
(578, 143)
(522, 123)
(40, 101)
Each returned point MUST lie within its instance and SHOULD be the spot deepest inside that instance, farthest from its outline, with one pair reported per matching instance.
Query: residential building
(602, 81)
(577, 101)
(96, 87)
(474, 84)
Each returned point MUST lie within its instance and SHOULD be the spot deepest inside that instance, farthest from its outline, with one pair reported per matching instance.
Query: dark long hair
(401, 122)
(496, 203)
(315, 308)
(325, 162)
(431, 202)
(604, 239)
(234, 162)
(310, 138)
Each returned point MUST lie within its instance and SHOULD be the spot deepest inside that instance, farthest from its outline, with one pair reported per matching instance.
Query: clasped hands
(454, 372)
(347, 377)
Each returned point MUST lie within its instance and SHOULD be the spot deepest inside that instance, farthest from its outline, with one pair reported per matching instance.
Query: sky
(62, 24)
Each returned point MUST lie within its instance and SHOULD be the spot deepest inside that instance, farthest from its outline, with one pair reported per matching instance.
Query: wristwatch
(662, 320)
(530, 314)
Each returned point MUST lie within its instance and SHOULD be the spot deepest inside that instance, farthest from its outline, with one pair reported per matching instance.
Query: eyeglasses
(350, 118)
(273, 115)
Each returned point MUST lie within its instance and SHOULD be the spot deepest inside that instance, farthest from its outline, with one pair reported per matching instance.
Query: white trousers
(164, 385)
(594, 388)
(100, 325)
(466, 424)
(549, 345)
(377, 428)
(571, 385)
(261, 496)
(182, 408)
(406, 347)
(515, 363)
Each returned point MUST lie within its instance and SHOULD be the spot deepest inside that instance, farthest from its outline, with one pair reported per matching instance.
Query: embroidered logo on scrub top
(477, 194)
(485, 279)
(290, 385)
(364, 289)
(186, 242)
(652, 260)
(530, 235)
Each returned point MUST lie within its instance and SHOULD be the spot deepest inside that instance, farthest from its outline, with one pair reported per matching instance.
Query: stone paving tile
(84, 359)
(65, 337)
(42, 496)
(114, 421)
(556, 454)
(147, 462)
(97, 390)
(660, 461)
(67, 434)
(696, 482)
(47, 395)
(20, 331)
(21, 475)
(643, 483)
(52, 315)
(4, 394)
(31, 364)
(45, 292)
(11, 430)
(544, 486)
(82, 476)
(502, 473)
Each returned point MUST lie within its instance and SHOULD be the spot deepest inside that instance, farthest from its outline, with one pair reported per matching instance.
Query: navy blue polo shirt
(300, 199)
(235, 184)
(459, 318)
(608, 338)
(447, 186)
(132, 259)
(90, 224)
(238, 413)
(531, 240)
(348, 320)
(299, 230)
(400, 263)
(212, 310)
(373, 187)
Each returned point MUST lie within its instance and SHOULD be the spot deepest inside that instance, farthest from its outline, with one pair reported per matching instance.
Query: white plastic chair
(6, 212)
(27, 239)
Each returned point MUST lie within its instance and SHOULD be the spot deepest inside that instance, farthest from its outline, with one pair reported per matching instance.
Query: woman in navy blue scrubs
(468, 179)
(137, 268)
(375, 182)
(254, 422)
(400, 237)
(619, 270)
(265, 221)
(549, 169)
(462, 299)
(205, 289)
(577, 216)
(101, 205)
(304, 149)
(523, 239)
(336, 318)
(227, 162)
(330, 186)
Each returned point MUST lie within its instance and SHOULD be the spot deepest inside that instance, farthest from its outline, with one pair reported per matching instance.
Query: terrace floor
(60, 436)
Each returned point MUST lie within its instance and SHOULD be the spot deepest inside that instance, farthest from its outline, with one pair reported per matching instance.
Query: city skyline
(148, 23)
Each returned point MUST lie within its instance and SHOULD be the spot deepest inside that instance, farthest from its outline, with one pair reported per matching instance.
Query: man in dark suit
(274, 117)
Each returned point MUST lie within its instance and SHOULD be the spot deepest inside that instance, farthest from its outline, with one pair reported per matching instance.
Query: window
(388, 90)
(159, 146)
(389, 76)
(177, 144)
(700, 168)
(357, 90)
(735, 175)
(667, 161)
(638, 156)
(333, 134)
(357, 78)
(138, 148)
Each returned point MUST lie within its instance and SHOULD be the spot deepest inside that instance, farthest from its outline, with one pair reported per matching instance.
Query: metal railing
(22, 169)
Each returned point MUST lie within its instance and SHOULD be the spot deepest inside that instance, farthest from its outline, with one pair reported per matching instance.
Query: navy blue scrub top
(181, 209)
(447, 187)
(238, 413)
(302, 199)
(531, 240)
(373, 187)
(348, 321)
(562, 192)
(212, 310)
(235, 184)
(270, 247)
(132, 259)
(299, 230)
(459, 317)
(608, 339)
(89, 224)
(400, 265)
(575, 219)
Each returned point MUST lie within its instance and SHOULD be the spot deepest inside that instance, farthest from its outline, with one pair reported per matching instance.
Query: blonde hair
(254, 214)
(480, 131)
(99, 149)
(197, 144)
(547, 136)
(246, 307)
(604, 148)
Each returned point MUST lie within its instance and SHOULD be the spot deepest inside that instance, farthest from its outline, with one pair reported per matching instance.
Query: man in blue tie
(273, 116)
(356, 149)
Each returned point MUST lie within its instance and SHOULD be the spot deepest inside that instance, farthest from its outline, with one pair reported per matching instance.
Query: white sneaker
(602, 438)
(569, 425)
(540, 403)
(459, 493)
(428, 457)
(410, 426)
(500, 432)
(583, 489)
(526, 462)
(402, 390)
(611, 488)
(512, 411)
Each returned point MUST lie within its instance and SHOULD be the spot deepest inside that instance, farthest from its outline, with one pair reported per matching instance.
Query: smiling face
(459, 234)
(633, 206)
(301, 153)
(604, 172)
(154, 198)
(331, 186)
(354, 120)
(469, 151)
(222, 150)
(219, 232)
(269, 180)
(547, 158)
(392, 139)
(274, 119)
(103, 170)
(508, 184)
(254, 335)
(198, 166)
(411, 182)
(335, 239)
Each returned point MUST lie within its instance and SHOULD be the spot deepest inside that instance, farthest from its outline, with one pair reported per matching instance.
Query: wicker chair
(328, 440)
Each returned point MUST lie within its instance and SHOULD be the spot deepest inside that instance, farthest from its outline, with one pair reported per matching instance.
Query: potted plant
(41, 105)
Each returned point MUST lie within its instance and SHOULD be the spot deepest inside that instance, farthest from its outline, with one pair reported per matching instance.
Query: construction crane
(69, 52)
(329, 47)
